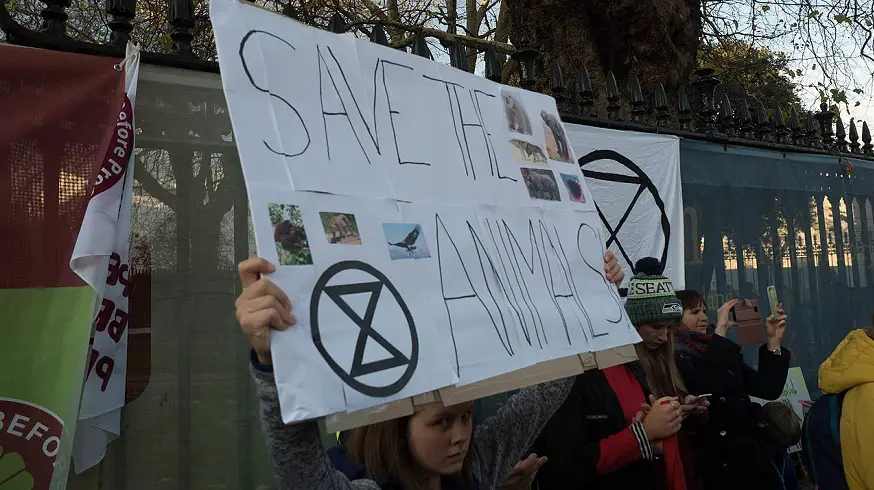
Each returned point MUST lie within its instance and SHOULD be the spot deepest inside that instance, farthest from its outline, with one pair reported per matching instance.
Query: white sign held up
(431, 227)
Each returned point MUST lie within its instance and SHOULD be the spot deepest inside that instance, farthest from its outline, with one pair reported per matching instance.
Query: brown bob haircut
(690, 299)
(783, 423)
(384, 450)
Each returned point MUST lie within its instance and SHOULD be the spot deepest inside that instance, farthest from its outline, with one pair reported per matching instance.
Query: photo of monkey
(289, 234)
(517, 118)
(556, 142)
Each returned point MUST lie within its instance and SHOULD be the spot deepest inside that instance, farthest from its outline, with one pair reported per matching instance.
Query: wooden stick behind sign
(453, 395)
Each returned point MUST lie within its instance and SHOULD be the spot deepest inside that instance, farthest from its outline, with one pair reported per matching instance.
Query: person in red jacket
(618, 428)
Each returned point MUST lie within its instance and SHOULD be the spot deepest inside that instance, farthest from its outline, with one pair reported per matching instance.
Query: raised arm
(296, 453)
(504, 438)
(767, 383)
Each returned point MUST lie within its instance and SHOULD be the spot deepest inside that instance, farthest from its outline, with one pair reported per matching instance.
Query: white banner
(431, 227)
(101, 258)
(635, 179)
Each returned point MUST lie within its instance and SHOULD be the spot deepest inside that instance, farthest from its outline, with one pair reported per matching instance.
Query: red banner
(57, 114)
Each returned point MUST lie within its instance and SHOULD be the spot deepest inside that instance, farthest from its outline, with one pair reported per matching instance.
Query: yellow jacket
(850, 368)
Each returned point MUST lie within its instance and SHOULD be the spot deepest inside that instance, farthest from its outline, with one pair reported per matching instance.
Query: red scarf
(698, 342)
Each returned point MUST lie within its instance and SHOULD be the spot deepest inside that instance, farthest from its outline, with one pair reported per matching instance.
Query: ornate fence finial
(705, 85)
(841, 133)
(337, 25)
(182, 20)
(586, 94)
(613, 104)
(122, 13)
(763, 129)
(288, 10)
(746, 119)
(526, 56)
(685, 110)
(824, 117)
(493, 65)
(854, 137)
(795, 127)
(811, 135)
(54, 17)
(663, 117)
(867, 148)
(726, 116)
(780, 132)
(420, 48)
(556, 79)
(638, 103)
(377, 35)
(458, 56)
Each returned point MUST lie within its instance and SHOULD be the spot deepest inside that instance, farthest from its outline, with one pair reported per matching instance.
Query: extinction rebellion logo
(121, 144)
(30, 437)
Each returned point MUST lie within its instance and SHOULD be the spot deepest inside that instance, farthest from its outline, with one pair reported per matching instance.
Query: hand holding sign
(261, 306)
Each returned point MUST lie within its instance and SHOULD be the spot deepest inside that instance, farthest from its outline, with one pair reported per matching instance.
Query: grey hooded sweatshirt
(299, 460)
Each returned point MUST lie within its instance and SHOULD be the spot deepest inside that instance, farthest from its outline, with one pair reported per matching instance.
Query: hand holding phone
(748, 317)
(772, 299)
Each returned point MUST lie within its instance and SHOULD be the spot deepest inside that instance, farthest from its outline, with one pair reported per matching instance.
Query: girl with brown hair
(435, 449)
(617, 429)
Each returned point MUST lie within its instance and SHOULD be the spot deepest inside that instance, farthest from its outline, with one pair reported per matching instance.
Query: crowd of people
(679, 417)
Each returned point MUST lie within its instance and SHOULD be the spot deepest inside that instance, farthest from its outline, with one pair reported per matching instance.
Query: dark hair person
(434, 449)
(734, 449)
(606, 435)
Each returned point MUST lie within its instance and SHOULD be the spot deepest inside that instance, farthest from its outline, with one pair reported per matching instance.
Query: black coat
(733, 450)
(571, 439)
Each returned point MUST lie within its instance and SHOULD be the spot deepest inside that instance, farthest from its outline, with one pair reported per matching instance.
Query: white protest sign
(431, 227)
(101, 258)
(635, 180)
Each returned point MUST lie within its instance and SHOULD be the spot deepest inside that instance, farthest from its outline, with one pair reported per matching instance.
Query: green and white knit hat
(651, 297)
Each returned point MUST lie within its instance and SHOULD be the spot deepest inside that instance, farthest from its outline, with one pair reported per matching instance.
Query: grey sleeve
(504, 438)
(296, 453)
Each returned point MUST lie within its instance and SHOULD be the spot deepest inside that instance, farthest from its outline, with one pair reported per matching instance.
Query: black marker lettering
(245, 63)
(513, 297)
(447, 250)
(325, 68)
(392, 112)
(495, 169)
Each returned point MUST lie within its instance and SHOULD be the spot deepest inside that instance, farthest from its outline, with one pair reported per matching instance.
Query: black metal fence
(700, 115)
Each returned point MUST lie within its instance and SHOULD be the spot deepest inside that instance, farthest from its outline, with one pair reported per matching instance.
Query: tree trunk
(656, 40)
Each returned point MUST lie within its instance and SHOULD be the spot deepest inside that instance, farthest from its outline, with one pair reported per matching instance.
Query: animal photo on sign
(557, 146)
(541, 184)
(289, 234)
(527, 153)
(517, 119)
(574, 187)
(340, 228)
(405, 241)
